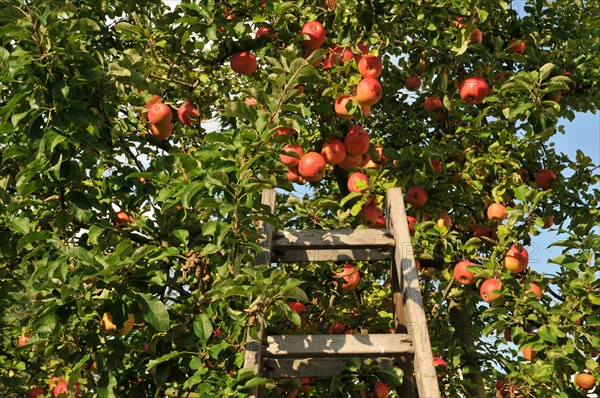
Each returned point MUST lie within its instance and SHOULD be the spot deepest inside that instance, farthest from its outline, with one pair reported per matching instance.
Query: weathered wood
(330, 345)
(337, 239)
(254, 348)
(316, 255)
(311, 367)
(426, 378)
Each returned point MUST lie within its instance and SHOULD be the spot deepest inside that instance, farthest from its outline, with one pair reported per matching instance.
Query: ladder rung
(310, 367)
(311, 346)
(328, 239)
(316, 255)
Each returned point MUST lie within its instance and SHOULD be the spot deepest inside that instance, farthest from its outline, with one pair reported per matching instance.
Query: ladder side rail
(404, 262)
(253, 356)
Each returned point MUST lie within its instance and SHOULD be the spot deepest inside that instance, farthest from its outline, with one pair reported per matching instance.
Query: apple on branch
(316, 35)
(244, 63)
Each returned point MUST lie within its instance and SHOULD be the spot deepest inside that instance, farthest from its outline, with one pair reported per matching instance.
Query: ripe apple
(297, 307)
(356, 141)
(333, 151)
(524, 174)
(534, 288)
(312, 166)
(316, 35)
(382, 390)
(479, 232)
(293, 175)
(34, 392)
(265, 31)
(62, 387)
(188, 113)
(545, 178)
(122, 217)
(23, 339)
(283, 131)
(353, 182)
(417, 196)
(340, 106)
(350, 275)
(502, 388)
(382, 158)
(411, 224)
(155, 98)
(290, 160)
(585, 381)
(516, 46)
(161, 131)
(490, 290)
(244, 63)
(496, 212)
(438, 361)
(473, 90)
(444, 220)
(159, 113)
(370, 66)
(528, 353)
(381, 222)
(436, 165)
(350, 162)
(548, 222)
(433, 103)
(368, 91)
(250, 101)
(363, 49)
(413, 83)
(516, 259)
(344, 53)
(476, 37)
(462, 275)
(339, 328)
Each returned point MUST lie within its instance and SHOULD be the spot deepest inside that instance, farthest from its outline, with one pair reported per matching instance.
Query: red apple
(265, 31)
(479, 232)
(244, 63)
(436, 165)
(585, 381)
(370, 66)
(23, 339)
(417, 196)
(316, 35)
(159, 113)
(283, 131)
(382, 158)
(356, 141)
(122, 217)
(462, 275)
(297, 307)
(339, 328)
(350, 275)
(444, 220)
(473, 90)
(312, 166)
(62, 387)
(545, 178)
(333, 151)
(368, 91)
(516, 259)
(350, 162)
(411, 224)
(34, 392)
(161, 131)
(548, 222)
(412, 83)
(188, 114)
(515, 46)
(476, 37)
(290, 160)
(382, 390)
(381, 222)
(523, 174)
(362, 51)
(496, 212)
(490, 290)
(293, 175)
(340, 106)
(438, 361)
(528, 353)
(433, 103)
(534, 288)
(353, 182)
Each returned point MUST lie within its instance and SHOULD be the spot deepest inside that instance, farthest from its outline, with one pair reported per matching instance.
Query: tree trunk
(463, 332)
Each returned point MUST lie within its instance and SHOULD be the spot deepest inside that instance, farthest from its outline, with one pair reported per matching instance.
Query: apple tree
(137, 138)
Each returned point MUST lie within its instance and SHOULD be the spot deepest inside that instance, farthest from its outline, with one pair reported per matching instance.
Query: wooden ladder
(281, 356)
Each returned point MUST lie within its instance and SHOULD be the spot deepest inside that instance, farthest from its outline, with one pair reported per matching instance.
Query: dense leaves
(77, 150)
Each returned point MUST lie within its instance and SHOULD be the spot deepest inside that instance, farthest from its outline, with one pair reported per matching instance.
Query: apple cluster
(160, 116)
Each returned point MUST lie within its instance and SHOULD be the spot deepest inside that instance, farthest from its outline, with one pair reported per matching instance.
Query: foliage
(75, 80)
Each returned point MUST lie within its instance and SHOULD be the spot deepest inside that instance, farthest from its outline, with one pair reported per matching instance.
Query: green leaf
(154, 311)
(203, 327)
(20, 225)
(106, 384)
(545, 71)
(546, 334)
